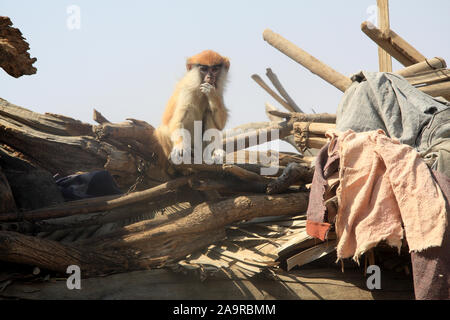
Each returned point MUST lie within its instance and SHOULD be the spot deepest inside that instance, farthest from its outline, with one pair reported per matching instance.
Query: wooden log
(243, 174)
(204, 218)
(228, 186)
(99, 118)
(308, 61)
(47, 123)
(440, 89)
(247, 127)
(144, 244)
(95, 204)
(289, 139)
(51, 255)
(7, 203)
(393, 44)
(314, 127)
(263, 85)
(427, 65)
(307, 139)
(218, 168)
(277, 84)
(14, 56)
(384, 58)
(303, 117)
(48, 139)
(429, 77)
(250, 139)
(293, 173)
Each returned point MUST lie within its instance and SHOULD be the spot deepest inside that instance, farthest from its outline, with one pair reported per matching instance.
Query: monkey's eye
(204, 69)
(215, 69)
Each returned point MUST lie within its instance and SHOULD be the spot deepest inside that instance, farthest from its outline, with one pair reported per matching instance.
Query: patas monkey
(198, 96)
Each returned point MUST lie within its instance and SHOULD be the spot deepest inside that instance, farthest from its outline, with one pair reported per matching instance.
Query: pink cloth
(385, 190)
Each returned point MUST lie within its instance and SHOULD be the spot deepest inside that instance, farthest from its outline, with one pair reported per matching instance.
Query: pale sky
(127, 55)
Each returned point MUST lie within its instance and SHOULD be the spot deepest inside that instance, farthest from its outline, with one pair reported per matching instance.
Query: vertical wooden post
(385, 60)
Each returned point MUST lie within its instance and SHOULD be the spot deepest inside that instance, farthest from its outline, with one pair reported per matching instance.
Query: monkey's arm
(218, 111)
(183, 118)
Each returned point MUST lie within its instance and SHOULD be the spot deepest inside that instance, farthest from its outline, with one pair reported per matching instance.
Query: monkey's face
(210, 74)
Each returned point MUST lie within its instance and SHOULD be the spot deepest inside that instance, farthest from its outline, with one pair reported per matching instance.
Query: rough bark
(144, 245)
(14, 56)
(65, 146)
(95, 204)
(293, 173)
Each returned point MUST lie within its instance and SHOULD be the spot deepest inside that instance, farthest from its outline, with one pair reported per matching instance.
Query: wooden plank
(384, 59)
(308, 61)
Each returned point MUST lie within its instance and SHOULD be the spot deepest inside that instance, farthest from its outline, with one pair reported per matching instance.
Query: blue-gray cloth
(387, 101)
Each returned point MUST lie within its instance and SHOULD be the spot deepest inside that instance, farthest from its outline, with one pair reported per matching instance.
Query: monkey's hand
(208, 89)
(176, 156)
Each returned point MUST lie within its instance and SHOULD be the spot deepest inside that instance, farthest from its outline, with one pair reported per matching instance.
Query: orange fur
(208, 58)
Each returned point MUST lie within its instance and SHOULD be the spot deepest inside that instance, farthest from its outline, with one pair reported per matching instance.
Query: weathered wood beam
(144, 244)
(14, 56)
(51, 255)
(392, 43)
(308, 61)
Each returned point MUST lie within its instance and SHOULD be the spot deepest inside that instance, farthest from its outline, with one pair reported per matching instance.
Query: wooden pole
(263, 85)
(384, 59)
(277, 84)
(426, 65)
(304, 117)
(308, 61)
(441, 89)
(250, 139)
(430, 77)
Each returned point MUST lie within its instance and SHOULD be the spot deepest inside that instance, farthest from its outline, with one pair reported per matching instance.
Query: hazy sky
(127, 55)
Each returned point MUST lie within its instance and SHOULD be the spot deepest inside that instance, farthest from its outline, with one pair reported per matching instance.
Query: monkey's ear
(189, 66)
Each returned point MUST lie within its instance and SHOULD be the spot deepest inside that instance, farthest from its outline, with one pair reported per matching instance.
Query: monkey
(198, 96)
